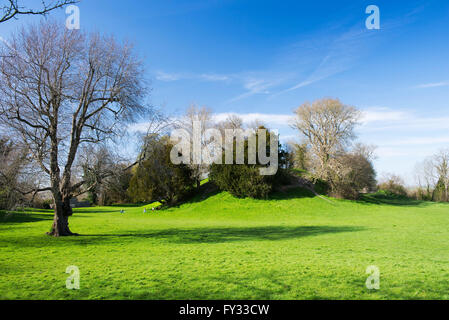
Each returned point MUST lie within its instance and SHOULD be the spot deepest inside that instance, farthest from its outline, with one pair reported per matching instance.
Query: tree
(353, 172)
(232, 122)
(426, 179)
(327, 126)
(60, 89)
(393, 184)
(441, 165)
(195, 116)
(432, 176)
(12, 8)
(106, 175)
(299, 155)
(12, 161)
(156, 178)
(245, 180)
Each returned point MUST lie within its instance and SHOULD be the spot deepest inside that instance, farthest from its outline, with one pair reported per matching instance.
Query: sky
(263, 59)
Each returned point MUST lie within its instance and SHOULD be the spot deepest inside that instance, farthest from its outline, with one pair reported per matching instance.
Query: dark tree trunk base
(60, 227)
(66, 233)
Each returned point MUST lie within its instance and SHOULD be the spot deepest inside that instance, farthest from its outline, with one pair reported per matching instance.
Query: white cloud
(432, 85)
(169, 77)
(382, 114)
(417, 141)
(256, 85)
(213, 77)
(163, 76)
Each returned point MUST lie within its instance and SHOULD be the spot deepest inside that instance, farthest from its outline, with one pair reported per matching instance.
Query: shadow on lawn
(390, 200)
(292, 193)
(23, 217)
(220, 235)
(93, 210)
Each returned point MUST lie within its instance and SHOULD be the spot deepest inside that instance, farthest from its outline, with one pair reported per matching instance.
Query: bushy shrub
(241, 180)
(393, 185)
(245, 180)
(440, 193)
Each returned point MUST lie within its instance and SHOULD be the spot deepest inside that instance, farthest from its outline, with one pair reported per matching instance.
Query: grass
(293, 246)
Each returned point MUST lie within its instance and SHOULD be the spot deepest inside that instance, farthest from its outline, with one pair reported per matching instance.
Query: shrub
(439, 193)
(244, 180)
(241, 180)
(393, 185)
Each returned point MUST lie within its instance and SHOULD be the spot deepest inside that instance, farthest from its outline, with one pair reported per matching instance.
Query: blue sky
(262, 59)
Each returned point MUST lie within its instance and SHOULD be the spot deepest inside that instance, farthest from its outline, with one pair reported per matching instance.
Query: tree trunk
(63, 211)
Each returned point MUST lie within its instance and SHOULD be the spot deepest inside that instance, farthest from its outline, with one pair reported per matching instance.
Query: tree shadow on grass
(389, 200)
(23, 217)
(221, 235)
(292, 193)
(184, 236)
(128, 205)
(93, 210)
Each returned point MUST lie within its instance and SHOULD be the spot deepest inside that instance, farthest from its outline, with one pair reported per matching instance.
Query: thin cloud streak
(432, 85)
(211, 77)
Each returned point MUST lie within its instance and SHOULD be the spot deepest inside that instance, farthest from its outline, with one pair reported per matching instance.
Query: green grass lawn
(294, 246)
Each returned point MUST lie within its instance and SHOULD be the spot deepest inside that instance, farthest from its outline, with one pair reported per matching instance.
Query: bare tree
(62, 88)
(105, 173)
(327, 126)
(441, 165)
(426, 178)
(10, 9)
(353, 172)
(232, 122)
(256, 124)
(202, 116)
(12, 162)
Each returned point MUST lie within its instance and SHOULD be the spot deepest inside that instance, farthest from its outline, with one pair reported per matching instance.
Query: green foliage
(321, 186)
(245, 180)
(440, 192)
(241, 180)
(156, 178)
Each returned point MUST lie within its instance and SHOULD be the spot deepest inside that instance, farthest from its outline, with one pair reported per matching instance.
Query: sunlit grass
(293, 246)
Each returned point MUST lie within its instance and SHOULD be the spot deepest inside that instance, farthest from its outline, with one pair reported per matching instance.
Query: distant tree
(327, 126)
(353, 172)
(60, 89)
(432, 177)
(299, 154)
(10, 9)
(441, 165)
(156, 178)
(426, 179)
(12, 162)
(232, 122)
(393, 184)
(106, 174)
(256, 124)
(203, 117)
